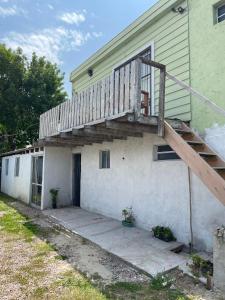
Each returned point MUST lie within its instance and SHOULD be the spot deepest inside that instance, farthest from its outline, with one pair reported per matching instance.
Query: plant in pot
(54, 195)
(163, 233)
(128, 216)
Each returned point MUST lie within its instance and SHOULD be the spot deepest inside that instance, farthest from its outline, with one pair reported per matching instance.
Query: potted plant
(129, 219)
(54, 195)
(163, 233)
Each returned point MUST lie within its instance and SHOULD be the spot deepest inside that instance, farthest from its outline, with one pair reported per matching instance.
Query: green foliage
(197, 260)
(163, 233)
(160, 282)
(54, 195)
(128, 286)
(160, 288)
(201, 266)
(128, 215)
(27, 89)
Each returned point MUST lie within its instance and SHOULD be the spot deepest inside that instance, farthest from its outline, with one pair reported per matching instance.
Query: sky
(66, 32)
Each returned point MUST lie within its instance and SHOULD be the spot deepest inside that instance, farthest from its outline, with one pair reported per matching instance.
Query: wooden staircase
(202, 160)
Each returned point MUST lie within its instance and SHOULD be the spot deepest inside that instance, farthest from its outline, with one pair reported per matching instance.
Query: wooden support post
(137, 88)
(161, 127)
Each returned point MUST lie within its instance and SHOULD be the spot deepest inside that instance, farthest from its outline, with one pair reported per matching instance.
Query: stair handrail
(203, 98)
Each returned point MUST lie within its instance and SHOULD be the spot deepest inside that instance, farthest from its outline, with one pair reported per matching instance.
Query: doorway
(76, 179)
(37, 170)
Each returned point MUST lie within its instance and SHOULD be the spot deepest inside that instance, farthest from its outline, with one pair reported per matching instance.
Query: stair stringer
(214, 182)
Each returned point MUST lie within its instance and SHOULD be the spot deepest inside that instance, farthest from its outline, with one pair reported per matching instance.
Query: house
(145, 127)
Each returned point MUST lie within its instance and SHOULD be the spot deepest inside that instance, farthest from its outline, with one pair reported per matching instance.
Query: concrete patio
(134, 245)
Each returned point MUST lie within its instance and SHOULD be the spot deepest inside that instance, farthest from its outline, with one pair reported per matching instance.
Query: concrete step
(175, 247)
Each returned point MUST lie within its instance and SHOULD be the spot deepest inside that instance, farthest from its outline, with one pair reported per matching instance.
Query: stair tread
(199, 157)
(173, 246)
(206, 154)
(183, 130)
(194, 142)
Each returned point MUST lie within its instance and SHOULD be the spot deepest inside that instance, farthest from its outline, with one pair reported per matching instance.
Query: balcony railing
(112, 97)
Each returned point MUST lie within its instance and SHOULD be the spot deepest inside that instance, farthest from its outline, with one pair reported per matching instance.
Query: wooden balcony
(113, 97)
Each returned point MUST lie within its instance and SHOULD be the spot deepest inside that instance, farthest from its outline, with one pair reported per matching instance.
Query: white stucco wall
(17, 187)
(208, 214)
(215, 138)
(158, 191)
(57, 173)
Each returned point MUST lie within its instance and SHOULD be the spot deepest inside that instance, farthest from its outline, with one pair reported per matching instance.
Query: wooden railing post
(162, 86)
(137, 88)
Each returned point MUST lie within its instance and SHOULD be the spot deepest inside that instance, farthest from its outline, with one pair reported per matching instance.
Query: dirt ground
(100, 267)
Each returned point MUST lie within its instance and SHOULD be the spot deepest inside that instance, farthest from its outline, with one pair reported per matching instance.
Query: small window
(220, 12)
(7, 167)
(164, 152)
(104, 159)
(17, 166)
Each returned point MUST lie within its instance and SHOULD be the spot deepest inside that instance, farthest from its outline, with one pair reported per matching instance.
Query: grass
(40, 276)
(153, 290)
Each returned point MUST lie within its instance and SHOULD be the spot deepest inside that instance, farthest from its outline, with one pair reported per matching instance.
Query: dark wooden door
(76, 179)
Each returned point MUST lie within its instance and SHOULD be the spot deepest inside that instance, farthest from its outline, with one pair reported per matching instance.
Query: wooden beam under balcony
(93, 134)
(80, 135)
(114, 133)
(131, 127)
(80, 140)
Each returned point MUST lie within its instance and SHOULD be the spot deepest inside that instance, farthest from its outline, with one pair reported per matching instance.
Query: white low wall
(17, 187)
(57, 174)
(158, 191)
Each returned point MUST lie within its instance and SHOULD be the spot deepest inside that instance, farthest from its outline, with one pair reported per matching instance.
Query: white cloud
(11, 11)
(48, 42)
(50, 7)
(97, 34)
(73, 17)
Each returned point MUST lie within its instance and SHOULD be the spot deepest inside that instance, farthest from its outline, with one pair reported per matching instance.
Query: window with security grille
(220, 13)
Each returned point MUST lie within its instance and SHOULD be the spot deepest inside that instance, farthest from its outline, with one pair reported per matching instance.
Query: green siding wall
(169, 34)
(207, 42)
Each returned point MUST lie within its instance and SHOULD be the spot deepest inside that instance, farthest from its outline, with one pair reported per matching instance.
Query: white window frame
(108, 162)
(36, 184)
(17, 167)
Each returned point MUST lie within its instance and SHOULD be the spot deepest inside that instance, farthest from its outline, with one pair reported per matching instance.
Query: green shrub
(163, 233)
(128, 215)
(201, 266)
(197, 260)
(160, 282)
(54, 195)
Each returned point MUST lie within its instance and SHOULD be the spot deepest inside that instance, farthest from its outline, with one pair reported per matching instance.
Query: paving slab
(136, 246)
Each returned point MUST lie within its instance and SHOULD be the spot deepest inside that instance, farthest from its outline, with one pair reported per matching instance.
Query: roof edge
(153, 13)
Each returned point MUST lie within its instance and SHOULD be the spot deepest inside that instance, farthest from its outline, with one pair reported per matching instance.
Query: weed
(61, 257)
(160, 282)
(40, 292)
(20, 278)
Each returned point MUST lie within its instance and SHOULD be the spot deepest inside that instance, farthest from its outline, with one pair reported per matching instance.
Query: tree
(12, 70)
(27, 89)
